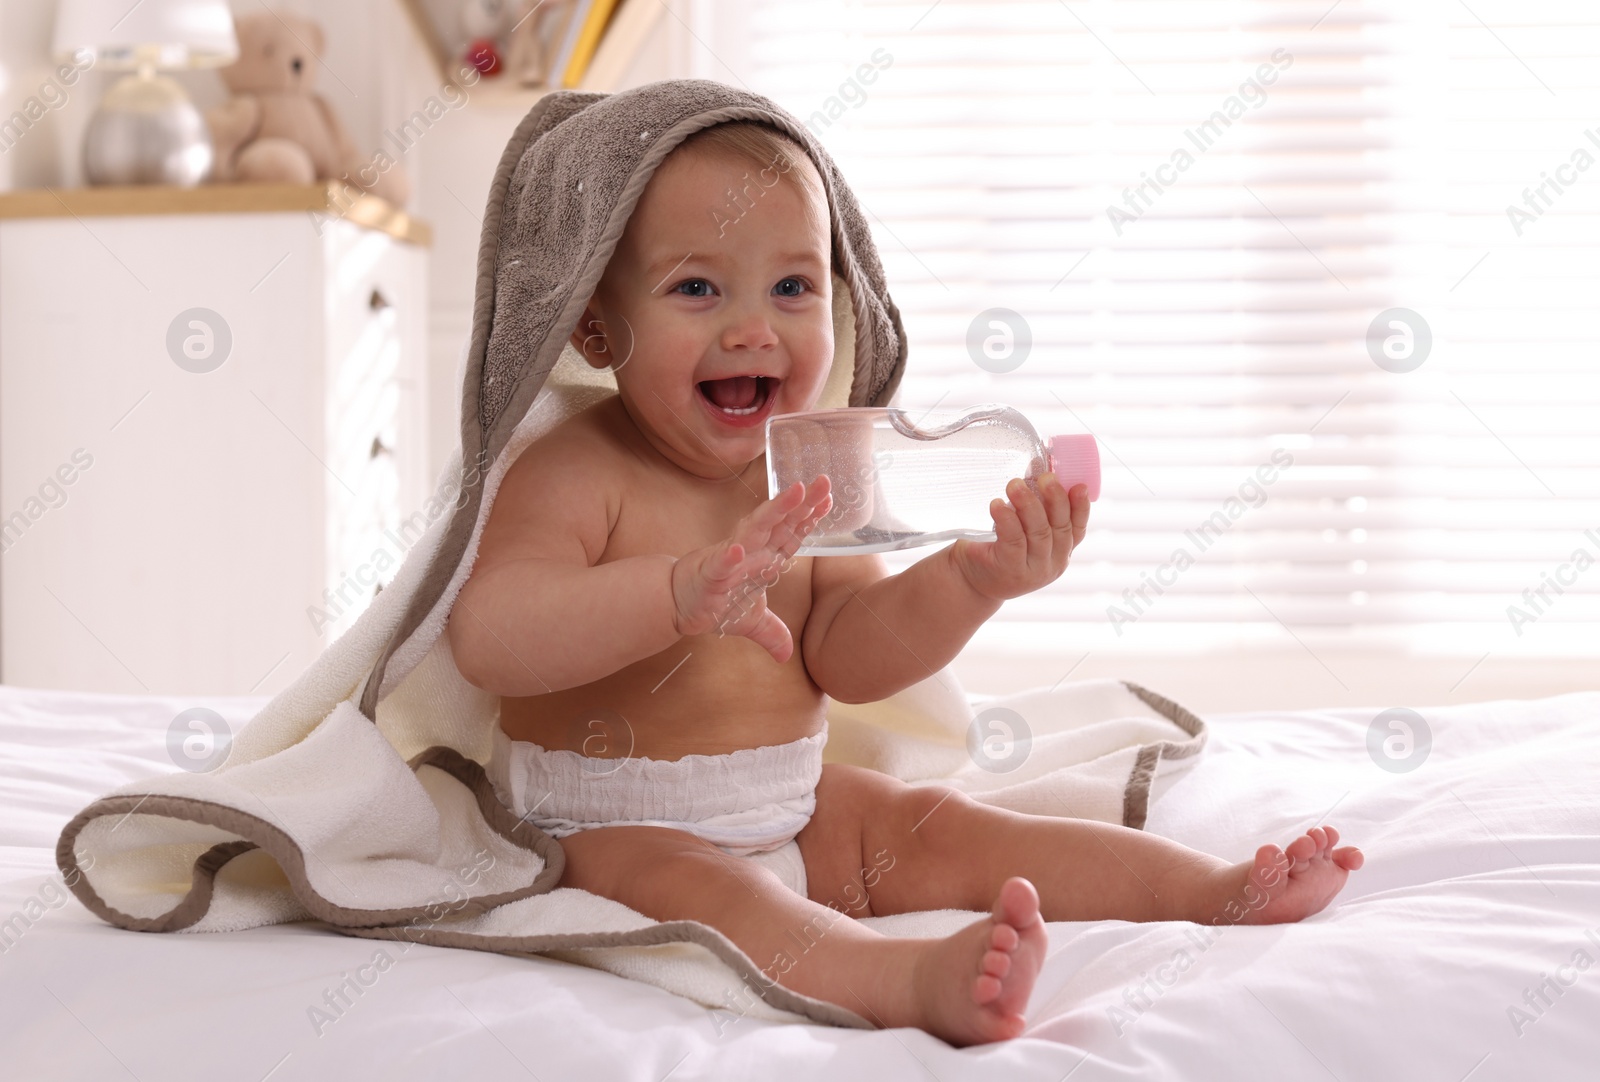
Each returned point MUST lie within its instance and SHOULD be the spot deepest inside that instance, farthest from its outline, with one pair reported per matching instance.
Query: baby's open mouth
(739, 396)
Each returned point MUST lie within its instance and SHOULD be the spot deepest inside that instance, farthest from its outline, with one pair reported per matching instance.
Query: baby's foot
(1283, 885)
(972, 987)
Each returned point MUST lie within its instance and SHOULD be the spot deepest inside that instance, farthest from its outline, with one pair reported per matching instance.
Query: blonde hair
(762, 146)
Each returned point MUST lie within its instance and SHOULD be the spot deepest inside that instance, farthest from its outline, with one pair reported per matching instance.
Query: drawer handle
(379, 448)
(377, 302)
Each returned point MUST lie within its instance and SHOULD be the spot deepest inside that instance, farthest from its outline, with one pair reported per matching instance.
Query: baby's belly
(702, 696)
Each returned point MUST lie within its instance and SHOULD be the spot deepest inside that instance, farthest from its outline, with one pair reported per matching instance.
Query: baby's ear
(590, 329)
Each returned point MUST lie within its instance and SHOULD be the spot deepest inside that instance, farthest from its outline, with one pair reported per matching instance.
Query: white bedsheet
(1482, 877)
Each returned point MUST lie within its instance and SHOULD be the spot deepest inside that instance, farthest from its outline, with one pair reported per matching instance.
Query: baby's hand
(1033, 540)
(724, 586)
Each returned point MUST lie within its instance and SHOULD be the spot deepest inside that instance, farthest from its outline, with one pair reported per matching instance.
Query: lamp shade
(164, 33)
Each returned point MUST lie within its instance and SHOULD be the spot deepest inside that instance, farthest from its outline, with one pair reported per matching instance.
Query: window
(1320, 277)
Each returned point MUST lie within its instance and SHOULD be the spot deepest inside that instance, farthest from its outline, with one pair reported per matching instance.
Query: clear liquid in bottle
(901, 479)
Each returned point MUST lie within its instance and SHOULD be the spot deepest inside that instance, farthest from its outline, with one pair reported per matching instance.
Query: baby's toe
(1017, 903)
(996, 963)
(1004, 937)
(1301, 849)
(1268, 857)
(1349, 858)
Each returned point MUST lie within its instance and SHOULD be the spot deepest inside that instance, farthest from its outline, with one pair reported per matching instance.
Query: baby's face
(716, 308)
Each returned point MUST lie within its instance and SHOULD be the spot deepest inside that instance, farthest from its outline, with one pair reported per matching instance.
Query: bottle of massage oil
(905, 478)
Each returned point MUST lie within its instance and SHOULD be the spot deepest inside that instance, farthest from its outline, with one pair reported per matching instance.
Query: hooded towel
(358, 797)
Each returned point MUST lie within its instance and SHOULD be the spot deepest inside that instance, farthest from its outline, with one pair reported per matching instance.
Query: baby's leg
(968, 988)
(950, 851)
(1093, 871)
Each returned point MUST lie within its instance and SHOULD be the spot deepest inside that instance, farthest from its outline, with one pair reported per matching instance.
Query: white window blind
(1199, 208)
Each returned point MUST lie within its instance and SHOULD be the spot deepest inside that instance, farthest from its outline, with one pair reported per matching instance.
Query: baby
(664, 659)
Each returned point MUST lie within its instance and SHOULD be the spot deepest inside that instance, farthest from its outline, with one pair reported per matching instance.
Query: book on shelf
(621, 43)
(564, 40)
(580, 50)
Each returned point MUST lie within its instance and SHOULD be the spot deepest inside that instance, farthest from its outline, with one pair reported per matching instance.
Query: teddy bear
(275, 128)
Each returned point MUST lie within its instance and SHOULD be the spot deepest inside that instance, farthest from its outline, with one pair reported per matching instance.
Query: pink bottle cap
(1075, 460)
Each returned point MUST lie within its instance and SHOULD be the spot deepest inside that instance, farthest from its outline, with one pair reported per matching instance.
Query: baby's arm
(538, 614)
(871, 634)
(534, 615)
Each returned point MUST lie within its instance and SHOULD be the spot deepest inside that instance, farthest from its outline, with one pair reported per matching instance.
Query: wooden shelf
(334, 198)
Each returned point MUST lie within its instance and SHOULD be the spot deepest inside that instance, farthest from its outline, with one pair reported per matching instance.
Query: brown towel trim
(403, 923)
(676, 931)
(1136, 797)
(256, 832)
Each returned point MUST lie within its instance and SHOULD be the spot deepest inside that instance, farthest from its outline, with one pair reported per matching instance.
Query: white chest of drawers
(211, 420)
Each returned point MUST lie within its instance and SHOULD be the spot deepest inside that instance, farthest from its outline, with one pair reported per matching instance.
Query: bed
(1467, 948)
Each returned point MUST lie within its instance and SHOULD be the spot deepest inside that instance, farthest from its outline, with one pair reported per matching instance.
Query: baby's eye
(691, 284)
(799, 285)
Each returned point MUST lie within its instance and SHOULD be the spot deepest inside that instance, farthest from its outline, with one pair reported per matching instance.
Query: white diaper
(748, 803)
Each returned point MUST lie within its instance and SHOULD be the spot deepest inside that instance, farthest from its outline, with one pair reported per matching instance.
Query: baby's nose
(751, 331)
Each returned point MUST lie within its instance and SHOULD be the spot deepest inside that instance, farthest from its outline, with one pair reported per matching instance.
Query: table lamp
(146, 130)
